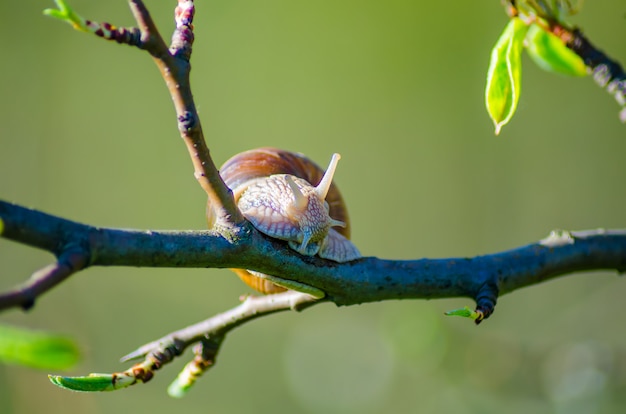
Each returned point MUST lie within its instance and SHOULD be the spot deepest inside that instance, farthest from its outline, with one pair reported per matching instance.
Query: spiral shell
(267, 183)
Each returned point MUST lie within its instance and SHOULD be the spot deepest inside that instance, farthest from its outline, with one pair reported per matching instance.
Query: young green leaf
(37, 349)
(90, 383)
(464, 313)
(98, 382)
(505, 73)
(137, 374)
(65, 13)
(550, 53)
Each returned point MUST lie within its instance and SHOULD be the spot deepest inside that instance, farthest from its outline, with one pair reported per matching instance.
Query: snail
(288, 197)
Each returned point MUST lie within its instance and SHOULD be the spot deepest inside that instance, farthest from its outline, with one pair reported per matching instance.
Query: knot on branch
(187, 121)
(486, 299)
(28, 298)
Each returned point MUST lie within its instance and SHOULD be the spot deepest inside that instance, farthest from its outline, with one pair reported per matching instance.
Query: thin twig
(253, 307)
(607, 72)
(149, 31)
(24, 295)
(208, 337)
(175, 67)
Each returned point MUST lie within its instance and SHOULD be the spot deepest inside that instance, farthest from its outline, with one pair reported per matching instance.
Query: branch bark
(369, 279)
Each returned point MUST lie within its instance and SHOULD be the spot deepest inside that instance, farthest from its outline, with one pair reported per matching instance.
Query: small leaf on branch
(103, 382)
(37, 349)
(90, 383)
(138, 373)
(465, 312)
(505, 73)
(68, 15)
(549, 52)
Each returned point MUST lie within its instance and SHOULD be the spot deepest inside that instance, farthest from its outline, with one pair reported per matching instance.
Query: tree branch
(208, 336)
(175, 68)
(219, 325)
(607, 72)
(73, 259)
(364, 280)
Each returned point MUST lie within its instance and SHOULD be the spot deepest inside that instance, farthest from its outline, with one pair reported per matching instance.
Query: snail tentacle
(300, 202)
(324, 185)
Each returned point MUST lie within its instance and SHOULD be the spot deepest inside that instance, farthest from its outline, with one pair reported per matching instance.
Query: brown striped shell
(263, 182)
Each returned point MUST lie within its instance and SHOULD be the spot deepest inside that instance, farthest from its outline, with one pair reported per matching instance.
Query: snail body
(275, 191)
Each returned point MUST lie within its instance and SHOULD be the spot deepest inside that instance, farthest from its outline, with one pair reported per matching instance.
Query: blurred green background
(87, 132)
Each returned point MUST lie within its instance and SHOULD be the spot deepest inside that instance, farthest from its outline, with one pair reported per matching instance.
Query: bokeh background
(87, 132)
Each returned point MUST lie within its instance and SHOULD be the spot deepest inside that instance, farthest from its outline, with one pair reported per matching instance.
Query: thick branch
(365, 280)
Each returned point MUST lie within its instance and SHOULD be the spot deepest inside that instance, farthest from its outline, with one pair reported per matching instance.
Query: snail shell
(274, 189)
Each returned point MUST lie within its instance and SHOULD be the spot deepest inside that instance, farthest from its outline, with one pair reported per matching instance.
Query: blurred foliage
(550, 53)
(37, 349)
(557, 10)
(87, 131)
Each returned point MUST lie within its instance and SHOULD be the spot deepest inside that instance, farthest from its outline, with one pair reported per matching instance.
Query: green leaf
(505, 73)
(96, 382)
(90, 383)
(137, 374)
(549, 52)
(37, 349)
(464, 313)
(66, 14)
